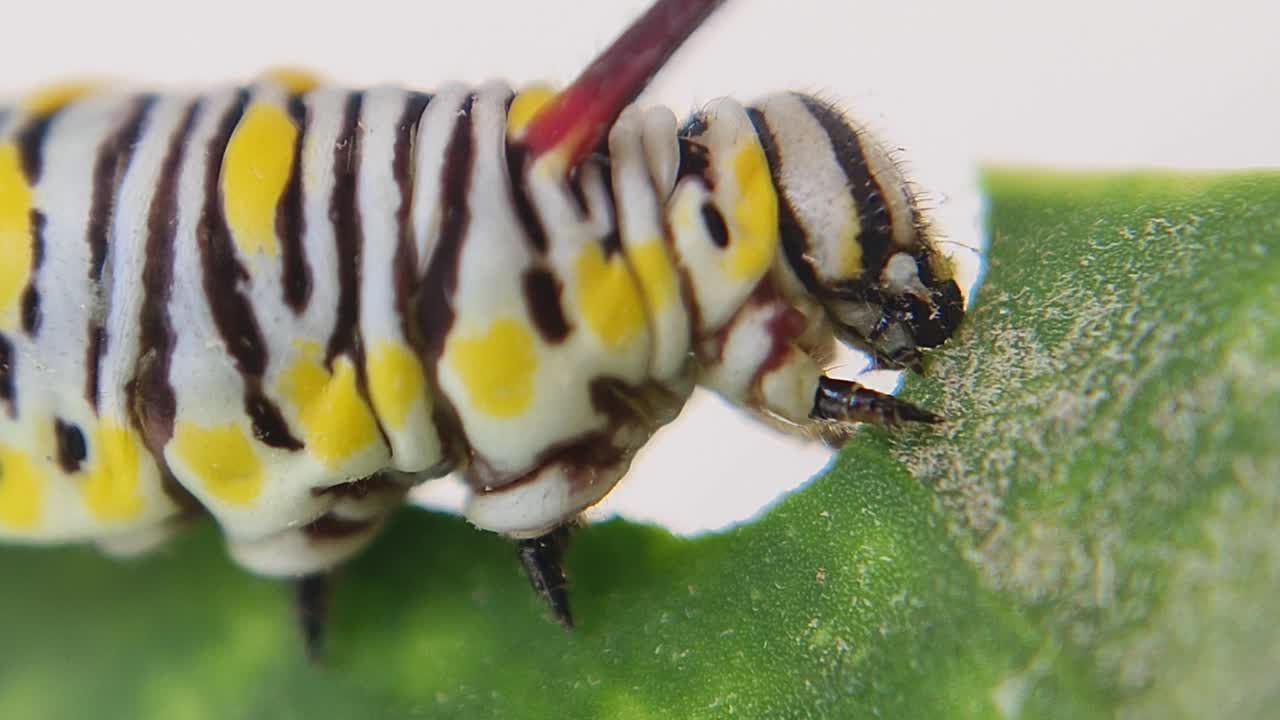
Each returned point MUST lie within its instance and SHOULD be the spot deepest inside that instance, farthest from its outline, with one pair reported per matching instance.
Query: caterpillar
(282, 305)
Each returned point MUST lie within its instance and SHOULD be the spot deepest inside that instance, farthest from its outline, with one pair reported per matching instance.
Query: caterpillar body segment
(284, 304)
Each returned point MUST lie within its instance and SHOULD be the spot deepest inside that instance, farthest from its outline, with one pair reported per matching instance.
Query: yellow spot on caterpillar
(15, 234)
(222, 459)
(657, 277)
(55, 97)
(850, 249)
(525, 106)
(21, 490)
(395, 382)
(607, 297)
(254, 173)
(112, 490)
(755, 217)
(337, 421)
(294, 80)
(497, 368)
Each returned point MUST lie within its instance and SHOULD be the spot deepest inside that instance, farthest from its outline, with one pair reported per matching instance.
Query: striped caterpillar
(283, 305)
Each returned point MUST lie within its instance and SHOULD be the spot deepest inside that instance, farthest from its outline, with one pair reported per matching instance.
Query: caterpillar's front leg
(538, 511)
(311, 610)
(757, 360)
(847, 401)
(305, 555)
(542, 558)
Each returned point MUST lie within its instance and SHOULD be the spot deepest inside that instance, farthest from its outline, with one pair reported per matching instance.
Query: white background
(1095, 83)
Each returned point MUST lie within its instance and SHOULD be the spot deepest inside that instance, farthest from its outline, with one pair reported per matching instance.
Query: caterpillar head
(850, 235)
(851, 232)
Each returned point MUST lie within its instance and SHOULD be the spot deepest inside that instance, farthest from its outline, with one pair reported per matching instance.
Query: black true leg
(845, 401)
(542, 558)
(311, 608)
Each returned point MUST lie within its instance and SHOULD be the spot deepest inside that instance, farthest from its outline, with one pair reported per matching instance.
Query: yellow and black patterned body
(184, 328)
(283, 305)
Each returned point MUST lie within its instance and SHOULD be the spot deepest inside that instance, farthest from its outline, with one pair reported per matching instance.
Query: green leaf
(1093, 534)
(1115, 462)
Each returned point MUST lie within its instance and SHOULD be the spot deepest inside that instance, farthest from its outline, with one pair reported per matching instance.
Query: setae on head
(851, 235)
